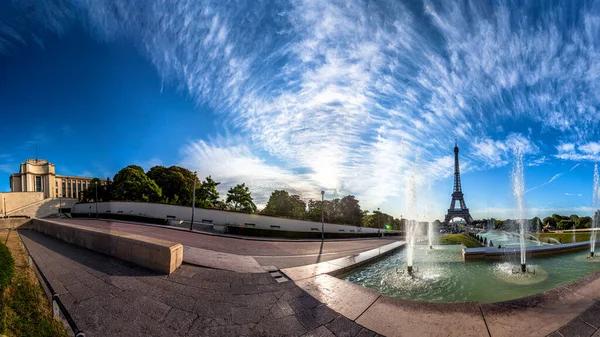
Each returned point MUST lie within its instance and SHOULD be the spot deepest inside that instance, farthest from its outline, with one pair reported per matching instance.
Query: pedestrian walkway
(108, 297)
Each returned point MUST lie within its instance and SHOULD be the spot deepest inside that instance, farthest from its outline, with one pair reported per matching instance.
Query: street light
(97, 201)
(5, 210)
(379, 221)
(322, 215)
(193, 201)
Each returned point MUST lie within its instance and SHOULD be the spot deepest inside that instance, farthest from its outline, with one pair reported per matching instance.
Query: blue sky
(354, 97)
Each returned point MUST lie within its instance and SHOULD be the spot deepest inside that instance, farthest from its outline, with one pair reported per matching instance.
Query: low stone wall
(494, 253)
(13, 223)
(159, 255)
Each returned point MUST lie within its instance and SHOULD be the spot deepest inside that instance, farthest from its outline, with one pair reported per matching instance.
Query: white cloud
(584, 151)
(573, 194)
(495, 153)
(554, 177)
(349, 92)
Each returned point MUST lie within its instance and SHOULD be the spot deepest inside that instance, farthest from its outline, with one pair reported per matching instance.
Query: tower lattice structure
(457, 196)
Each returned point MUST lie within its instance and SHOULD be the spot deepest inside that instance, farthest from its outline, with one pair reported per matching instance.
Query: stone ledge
(342, 265)
(159, 255)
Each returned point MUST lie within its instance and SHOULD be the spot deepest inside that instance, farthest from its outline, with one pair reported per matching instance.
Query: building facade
(38, 175)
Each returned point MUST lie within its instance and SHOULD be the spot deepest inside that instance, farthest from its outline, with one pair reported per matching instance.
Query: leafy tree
(89, 194)
(132, 184)
(175, 182)
(314, 210)
(564, 224)
(585, 222)
(298, 207)
(549, 221)
(350, 211)
(240, 199)
(278, 204)
(207, 195)
(281, 203)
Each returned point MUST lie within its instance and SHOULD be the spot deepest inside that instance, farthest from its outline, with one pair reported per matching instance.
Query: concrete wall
(15, 200)
(41, 208)
(162, 211)
(159, 255)
(13, 223)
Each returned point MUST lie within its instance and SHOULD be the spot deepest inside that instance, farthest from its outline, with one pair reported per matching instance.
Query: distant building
(38, 175)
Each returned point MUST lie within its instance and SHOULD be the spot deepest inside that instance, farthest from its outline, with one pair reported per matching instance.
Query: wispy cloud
(348, 92)
(554, 177)
(573, 194)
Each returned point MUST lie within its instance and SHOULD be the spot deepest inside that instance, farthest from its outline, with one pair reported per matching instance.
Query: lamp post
(379, 221)
(322, 215)
(60, 205)
(193, 201)
(97, 201)
(5, 210)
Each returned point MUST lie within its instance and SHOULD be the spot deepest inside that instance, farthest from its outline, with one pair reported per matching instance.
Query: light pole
(379, 221)
(193, 201)
(5, 210)
(59, 205)
(322, 215)
(97, 201)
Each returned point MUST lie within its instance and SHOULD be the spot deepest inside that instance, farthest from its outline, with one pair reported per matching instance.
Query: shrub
(7, 267)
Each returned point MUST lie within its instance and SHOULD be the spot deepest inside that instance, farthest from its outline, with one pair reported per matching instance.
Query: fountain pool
(441, 275)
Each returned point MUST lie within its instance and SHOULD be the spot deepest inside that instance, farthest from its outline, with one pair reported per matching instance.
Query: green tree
(207, 195)
(549, 221)
(350, 212)
(585, 222)
(239, 199)
(132, 184)
(314, 210)
(298, 207)
(281, 203)
(175, 182)
(89, 194)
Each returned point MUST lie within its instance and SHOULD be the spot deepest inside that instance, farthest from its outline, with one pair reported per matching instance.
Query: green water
(442, 276)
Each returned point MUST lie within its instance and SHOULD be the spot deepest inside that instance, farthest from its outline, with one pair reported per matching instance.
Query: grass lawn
(24, 308)
(450, 239)
(567, 237)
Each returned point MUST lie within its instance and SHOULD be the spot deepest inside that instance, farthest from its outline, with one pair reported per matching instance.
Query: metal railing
(58, 308)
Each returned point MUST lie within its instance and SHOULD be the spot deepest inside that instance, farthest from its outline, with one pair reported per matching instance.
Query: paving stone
(199, 329)
(80, 291)
(251, 314)
(365, 333)
(555, 334)
(592, 316)
(154, 309)
(575, 328)
(343, 327)
(282, 309)
(287, 326)
(179, 320)
(323, 314)
(321, 331)
(270, 268)
(308, 321)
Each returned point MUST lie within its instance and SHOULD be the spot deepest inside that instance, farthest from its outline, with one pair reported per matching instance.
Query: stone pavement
(282, 254)
(108, 297)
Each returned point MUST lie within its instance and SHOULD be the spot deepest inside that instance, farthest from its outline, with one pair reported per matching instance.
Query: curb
(57, 306)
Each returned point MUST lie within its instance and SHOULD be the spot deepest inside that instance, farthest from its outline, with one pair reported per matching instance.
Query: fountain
(411, 225)
(518, 192)
(430, 234)
(596, 216)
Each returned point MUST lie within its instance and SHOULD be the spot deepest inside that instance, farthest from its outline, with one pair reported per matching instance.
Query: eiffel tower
(457, 195)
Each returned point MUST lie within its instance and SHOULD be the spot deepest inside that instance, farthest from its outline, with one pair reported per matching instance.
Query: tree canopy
(132, 184)
(207, 195)
(281, 203)
(175, 182)
(239, 199)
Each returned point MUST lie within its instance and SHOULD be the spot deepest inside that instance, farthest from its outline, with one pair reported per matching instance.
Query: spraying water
(411, 223)
(596, 215)
(518, 182)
